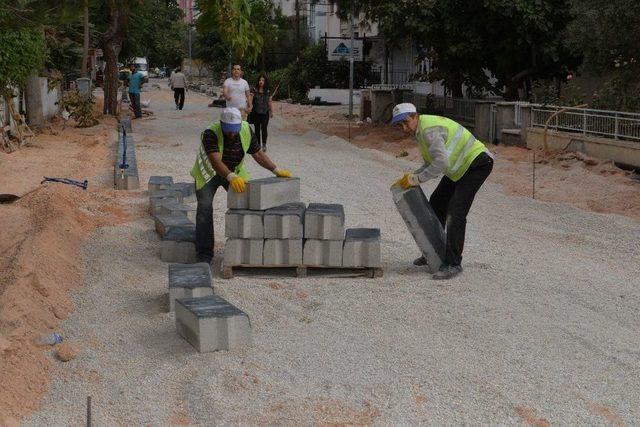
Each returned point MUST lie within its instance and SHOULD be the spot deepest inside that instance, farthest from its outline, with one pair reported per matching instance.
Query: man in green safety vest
(220, 162)
(451, 150)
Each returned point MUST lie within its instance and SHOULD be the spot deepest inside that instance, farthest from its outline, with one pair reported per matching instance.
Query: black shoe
(447, 272)
(420, 261)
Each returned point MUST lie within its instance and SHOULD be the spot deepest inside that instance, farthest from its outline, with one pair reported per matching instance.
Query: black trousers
(135, 104)
(178, 97)
(261, 124)
(451, 202)
(205, 237)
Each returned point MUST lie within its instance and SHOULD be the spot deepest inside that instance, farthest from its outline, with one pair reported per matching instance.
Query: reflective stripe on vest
(462, 147)
(203, 172)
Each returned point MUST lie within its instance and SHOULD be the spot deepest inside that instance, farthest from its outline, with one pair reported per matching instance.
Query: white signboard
(339, 49)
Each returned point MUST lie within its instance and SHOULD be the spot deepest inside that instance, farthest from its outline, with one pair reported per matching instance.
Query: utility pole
(351, 59)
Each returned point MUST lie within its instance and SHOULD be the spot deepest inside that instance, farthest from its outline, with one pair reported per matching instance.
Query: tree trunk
(111, 45)
(85, 44)
(111, 83)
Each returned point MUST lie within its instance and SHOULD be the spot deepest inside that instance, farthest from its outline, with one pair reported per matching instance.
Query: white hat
(401, 111)
(231, 120)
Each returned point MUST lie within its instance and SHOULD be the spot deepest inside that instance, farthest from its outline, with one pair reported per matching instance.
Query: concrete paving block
(128, 181)
(282, 252)
(164, 194)
(268, 193)
(156, 204)
(181, 252)
(323, 252)
(361, 248)
(237, 200)
(284, 222)
(178, 245)
(157, 182)
(173, 207)
(187, 189)
(243, 251)
(211, 323)
(324, 221)
(243, 224)
(165, 222)
(422, 223)
(189, 281)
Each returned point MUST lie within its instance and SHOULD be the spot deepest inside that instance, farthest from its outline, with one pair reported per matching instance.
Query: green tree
(21, 51)
(517, 41)
(231, 20)
(157, 32)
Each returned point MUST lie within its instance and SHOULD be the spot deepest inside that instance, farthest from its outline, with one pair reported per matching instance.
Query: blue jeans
(204, 218)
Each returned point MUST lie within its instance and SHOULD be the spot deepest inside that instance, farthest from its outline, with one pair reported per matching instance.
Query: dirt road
(542, 326)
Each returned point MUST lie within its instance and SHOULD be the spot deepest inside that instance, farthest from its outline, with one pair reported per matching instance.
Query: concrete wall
(335, 95)
(40, 102)
(626, 152)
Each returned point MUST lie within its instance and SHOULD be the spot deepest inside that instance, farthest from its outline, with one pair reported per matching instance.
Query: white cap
(401, 111)
(231, 120)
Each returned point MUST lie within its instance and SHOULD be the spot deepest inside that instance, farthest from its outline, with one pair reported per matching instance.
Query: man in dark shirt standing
(220, 162)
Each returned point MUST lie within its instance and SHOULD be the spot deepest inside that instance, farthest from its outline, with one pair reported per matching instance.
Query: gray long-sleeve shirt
(436, 136)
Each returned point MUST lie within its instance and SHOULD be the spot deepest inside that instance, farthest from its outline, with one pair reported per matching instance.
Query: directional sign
(339, 49)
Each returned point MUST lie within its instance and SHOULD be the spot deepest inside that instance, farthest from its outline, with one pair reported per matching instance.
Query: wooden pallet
(228, 271)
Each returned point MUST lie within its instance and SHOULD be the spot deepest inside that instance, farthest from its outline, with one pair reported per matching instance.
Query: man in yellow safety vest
(220, 162)
(451, 150)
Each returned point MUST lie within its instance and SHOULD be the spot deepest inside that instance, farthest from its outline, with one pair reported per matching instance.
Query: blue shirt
(135, 82)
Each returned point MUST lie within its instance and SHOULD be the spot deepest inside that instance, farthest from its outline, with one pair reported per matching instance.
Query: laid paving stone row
(125, 175)
(206, 321)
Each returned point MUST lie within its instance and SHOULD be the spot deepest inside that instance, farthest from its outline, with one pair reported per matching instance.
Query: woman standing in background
(262, 109)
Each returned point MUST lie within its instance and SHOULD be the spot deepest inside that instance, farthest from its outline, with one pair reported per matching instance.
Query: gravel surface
(543, 325)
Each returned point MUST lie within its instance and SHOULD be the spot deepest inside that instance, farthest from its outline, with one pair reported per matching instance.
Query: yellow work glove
(407, 181)
(236, 182)
(282, 173)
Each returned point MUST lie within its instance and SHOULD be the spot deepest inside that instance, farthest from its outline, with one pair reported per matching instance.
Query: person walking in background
(236, 92)
(178, 82)
(262, 109)
(135, 84)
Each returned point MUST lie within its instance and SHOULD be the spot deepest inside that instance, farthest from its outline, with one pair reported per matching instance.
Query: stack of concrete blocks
(423, 224)
(324, 235)
(253, 236)
(125, 175)
(283, 233)
(174, 222)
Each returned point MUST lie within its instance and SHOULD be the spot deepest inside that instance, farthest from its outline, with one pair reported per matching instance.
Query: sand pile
(41, 236)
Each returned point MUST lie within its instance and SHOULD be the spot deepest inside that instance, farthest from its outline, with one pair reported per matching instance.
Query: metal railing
(604, 123)
(461, 109)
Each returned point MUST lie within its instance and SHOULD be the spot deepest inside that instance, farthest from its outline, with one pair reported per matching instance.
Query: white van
(143, 67)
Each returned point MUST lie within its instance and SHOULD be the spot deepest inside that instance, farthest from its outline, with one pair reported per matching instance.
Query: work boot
(420, 261)
(447, 272)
